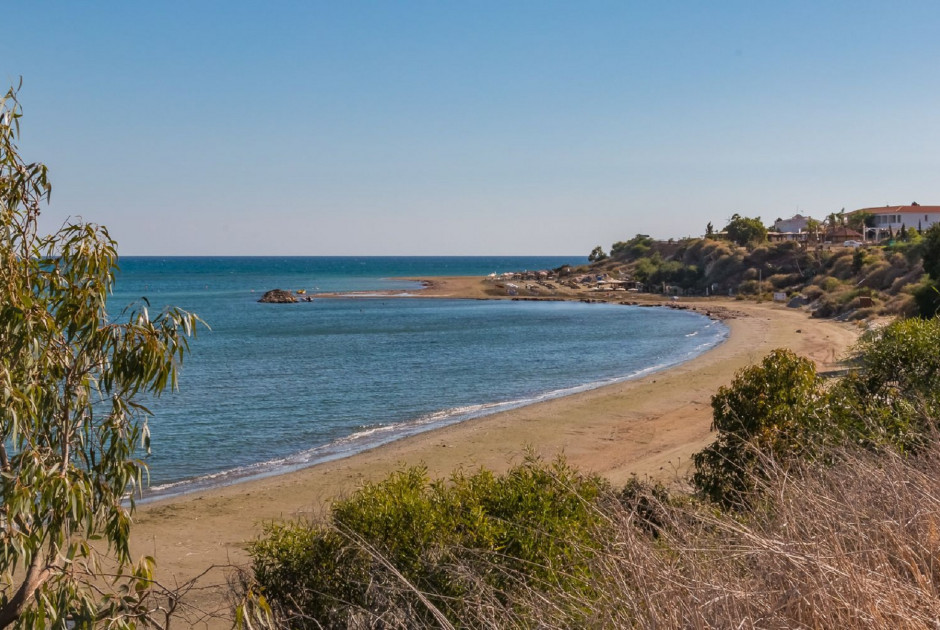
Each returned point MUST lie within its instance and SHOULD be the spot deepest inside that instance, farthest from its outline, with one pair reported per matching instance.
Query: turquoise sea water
(274, 387)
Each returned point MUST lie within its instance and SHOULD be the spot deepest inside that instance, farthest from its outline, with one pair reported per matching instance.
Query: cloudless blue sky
(326, 128)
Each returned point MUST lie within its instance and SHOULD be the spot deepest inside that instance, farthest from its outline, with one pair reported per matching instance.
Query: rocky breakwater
(278, 296)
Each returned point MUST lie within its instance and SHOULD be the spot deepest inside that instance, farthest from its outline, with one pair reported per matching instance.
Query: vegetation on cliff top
(855, 282)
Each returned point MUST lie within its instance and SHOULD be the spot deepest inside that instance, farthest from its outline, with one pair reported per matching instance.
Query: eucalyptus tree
(72, 383)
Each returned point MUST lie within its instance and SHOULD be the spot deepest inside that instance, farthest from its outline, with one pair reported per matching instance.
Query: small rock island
(278, 296)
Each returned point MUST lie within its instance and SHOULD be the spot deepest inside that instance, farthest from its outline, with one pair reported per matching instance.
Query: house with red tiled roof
(912, 216)
(841, 233)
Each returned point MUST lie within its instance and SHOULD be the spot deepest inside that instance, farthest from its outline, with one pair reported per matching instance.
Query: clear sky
(399, 127)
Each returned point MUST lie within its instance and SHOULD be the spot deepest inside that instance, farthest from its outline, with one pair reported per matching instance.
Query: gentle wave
(369, 437)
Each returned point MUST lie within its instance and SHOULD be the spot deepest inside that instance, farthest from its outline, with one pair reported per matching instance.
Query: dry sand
(650, 426)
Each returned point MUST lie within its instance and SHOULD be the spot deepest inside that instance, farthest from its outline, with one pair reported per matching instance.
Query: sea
(270, 388)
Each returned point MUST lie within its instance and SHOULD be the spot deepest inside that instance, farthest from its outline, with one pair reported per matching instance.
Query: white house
(796, 223)
(912, 216)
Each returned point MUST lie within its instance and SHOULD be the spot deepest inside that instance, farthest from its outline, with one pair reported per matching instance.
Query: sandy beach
(650, 426)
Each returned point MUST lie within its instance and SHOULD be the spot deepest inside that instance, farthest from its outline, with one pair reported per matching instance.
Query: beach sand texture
(649, 426)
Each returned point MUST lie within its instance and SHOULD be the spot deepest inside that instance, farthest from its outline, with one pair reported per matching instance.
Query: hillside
(832, 280)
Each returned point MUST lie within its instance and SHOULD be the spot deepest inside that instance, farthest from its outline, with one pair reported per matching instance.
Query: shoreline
(648, 426)
(356, 443)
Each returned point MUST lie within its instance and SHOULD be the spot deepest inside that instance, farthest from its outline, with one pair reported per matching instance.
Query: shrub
(769, 408)
(532, 527)
(902, 304)
(785, 280)
(722, 266)
(749, 287)
(882, 275)
(901, 359)
(290, 557)
(829, 284)
(646, 501)
(842, 266)
(930, 252)
(812, 292)
(927, 296)
(859, 260)
(893, 400)
(907, 282)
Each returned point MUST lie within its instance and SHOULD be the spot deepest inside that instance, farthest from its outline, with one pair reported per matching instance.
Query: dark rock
(278, 296)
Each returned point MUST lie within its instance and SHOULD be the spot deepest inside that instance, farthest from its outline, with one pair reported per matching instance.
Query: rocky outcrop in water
(278, 296)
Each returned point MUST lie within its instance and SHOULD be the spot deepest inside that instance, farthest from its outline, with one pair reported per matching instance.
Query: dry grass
(851, 546)
(854, 545)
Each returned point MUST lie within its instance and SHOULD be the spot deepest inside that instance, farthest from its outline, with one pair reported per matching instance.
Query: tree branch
(35, 577)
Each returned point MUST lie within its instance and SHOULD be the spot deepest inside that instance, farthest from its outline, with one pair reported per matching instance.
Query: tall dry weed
(855, 545)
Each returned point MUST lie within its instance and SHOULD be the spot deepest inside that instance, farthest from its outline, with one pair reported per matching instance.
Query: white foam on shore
(372, 436)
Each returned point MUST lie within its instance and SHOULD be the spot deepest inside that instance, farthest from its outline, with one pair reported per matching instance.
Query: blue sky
(329, 128)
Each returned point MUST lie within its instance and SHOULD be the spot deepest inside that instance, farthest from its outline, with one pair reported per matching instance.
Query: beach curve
(647, 426)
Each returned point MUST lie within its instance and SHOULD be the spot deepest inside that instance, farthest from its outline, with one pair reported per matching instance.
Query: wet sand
(649, 426)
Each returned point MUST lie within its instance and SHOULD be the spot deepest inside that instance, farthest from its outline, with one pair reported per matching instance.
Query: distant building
(840, 234)
(775, 237)
(910, 216)
(795, 224)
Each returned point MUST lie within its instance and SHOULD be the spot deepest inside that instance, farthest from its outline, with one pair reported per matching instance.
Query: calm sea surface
(275, 387)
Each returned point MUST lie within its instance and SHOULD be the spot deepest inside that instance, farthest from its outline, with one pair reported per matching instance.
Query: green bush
(930, 252)
(770, 409)
(901, 360)
(293, 559)
(927, 296)
(532, 527)
(829, 284)
(637, 247)
(779, 410)
(858, 260)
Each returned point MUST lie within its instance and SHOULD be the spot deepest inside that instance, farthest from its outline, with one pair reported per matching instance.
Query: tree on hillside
(71, 418)
(836, 219)
(927, 296)
(812, 228)
(860, 220)
(637, 247)
(597, 254)
(709, 230)
(931, 245)
(745, 231)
